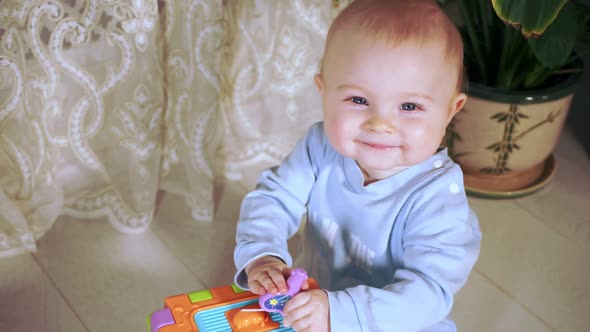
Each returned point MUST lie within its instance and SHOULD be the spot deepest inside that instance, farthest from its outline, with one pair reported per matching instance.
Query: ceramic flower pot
(504, 140)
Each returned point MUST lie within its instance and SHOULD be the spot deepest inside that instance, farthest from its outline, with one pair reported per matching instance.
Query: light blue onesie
(391, 254)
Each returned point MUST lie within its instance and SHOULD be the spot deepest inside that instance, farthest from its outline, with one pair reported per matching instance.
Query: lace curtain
(103, 103)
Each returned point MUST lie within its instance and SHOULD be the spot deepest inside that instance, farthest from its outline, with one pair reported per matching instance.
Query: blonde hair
(399, 21)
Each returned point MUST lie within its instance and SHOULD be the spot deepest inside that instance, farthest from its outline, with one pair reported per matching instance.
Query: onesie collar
(397, 181)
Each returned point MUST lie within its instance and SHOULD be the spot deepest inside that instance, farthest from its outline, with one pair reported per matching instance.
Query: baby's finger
(287, 272)
(305, 285)
(298, 301)
(274, 282)
(279, 281)
(268, 285)
(256, 287)
(302, 324)
(296, 308)
(298, 318)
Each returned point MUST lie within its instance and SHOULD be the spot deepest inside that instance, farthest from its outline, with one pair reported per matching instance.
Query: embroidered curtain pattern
(103, 103)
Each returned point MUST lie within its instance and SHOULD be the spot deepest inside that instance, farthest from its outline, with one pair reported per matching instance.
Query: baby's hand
(267, 274)
(308, 311)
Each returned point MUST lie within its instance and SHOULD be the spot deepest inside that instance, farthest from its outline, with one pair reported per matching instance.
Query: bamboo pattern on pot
(451, 137)
(507, 145)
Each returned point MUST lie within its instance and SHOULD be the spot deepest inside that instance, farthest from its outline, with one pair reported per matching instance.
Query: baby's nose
(379, 124)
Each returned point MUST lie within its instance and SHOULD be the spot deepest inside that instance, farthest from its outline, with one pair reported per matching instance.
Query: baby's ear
(457, 105)
(319, 82)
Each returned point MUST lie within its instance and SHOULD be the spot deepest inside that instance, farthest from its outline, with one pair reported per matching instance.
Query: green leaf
(497, 115)
(532, 17)
(487, 170)
(494, 146)
(554, 47)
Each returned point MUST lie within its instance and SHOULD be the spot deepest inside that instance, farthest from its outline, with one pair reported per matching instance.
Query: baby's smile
(376, 146)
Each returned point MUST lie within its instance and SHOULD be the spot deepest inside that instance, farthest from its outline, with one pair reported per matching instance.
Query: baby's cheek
(333, 132)
(416, 129)
(421, 132)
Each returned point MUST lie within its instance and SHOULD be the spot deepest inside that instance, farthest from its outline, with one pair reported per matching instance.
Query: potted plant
(523, 68)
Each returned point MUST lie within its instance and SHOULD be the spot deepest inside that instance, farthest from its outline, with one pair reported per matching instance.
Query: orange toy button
(250, 321)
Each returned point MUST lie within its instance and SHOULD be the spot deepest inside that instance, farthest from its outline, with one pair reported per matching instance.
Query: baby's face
(386, 107)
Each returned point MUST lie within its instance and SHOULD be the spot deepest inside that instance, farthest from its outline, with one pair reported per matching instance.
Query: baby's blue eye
(409, 107)
(359, 100)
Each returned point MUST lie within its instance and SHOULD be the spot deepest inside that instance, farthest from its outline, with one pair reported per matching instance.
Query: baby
(389, 236)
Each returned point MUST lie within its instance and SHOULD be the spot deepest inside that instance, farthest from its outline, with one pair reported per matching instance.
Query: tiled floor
(533, 273)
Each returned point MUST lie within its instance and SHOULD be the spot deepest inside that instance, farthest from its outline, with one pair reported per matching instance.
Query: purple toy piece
(276, 302)
(160, 319)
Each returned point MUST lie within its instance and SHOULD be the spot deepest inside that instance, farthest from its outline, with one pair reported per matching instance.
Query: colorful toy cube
(217, 309)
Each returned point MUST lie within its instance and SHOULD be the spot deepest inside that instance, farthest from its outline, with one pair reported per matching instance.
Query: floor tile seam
(59, 291)
(540, 220)
(514, 299)
(171, 250)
